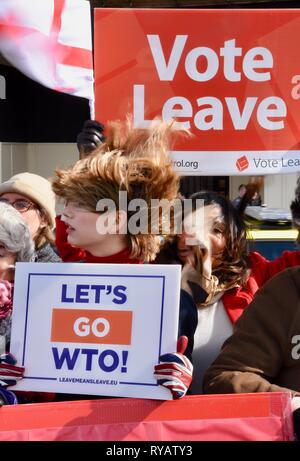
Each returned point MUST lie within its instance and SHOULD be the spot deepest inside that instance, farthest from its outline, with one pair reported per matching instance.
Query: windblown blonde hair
(132, 160)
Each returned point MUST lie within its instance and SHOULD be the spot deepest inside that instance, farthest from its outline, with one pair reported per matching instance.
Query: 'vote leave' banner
(231, 76)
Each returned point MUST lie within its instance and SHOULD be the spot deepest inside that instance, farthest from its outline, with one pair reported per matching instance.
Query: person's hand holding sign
(175, 370)
(10, 373)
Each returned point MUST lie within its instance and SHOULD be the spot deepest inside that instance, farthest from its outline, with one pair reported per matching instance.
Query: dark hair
(295, 209)
(251, 189)
(295, 205)
(242, 185)
(235, 264)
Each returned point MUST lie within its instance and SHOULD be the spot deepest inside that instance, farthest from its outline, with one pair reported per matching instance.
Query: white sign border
(163, 393)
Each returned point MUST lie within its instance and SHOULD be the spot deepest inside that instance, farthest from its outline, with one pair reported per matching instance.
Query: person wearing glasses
(16, 245)
(31, 195)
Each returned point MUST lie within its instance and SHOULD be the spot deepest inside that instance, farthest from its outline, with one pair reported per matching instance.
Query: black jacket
(188, 320)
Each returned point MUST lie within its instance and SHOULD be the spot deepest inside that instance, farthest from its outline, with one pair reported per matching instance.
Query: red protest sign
(231, 76)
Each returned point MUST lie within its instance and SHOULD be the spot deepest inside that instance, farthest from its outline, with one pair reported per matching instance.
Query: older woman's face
(30, 212)
(7, 259)
(207, 229)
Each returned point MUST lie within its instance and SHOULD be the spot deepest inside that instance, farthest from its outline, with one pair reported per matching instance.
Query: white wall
(41, 159)
(280, 189)
(37, 158)
(13, 159)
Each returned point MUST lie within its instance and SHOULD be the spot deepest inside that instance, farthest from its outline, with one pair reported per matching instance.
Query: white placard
(94, 329)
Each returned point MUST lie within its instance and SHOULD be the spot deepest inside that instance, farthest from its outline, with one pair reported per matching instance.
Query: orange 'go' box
(91, 326)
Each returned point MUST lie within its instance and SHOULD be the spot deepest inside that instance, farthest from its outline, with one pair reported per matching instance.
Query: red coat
(237, 299)
(71, 254)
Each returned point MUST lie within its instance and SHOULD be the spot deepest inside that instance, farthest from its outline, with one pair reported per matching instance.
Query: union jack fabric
(175, 373)
(10, 373)
(50, 42)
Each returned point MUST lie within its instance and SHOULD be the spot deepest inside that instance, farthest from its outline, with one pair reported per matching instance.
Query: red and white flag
(50, 41)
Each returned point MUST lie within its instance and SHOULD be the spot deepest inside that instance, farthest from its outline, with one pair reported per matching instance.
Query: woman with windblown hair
(134, 161)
